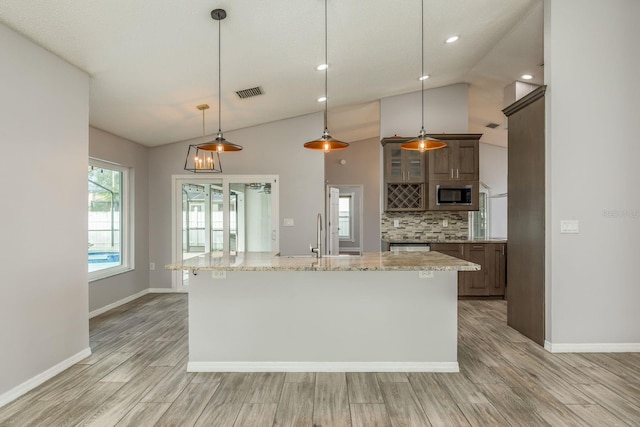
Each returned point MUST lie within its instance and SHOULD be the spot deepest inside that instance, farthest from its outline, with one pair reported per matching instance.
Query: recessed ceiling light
(425, 77)
(527, 76)
(322, 67)
(322, 99)
(452, 39)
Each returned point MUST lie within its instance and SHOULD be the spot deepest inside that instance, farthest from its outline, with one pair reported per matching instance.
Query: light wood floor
(137, 377)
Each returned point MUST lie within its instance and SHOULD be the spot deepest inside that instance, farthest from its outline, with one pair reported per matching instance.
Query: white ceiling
(152, 62)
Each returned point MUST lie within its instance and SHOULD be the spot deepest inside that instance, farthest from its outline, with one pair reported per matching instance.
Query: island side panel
(323, 321)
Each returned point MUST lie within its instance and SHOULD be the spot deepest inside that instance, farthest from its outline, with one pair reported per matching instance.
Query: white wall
(111, 148)
(493, 172)
(591, 69)
(446, 110)
(44, 106)
(273, 148)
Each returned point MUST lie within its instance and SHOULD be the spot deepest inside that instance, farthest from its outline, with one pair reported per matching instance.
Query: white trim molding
(130, 298)
(323, 367)
(592, 347)
(164, 291)
(118, 303)
(34, 382)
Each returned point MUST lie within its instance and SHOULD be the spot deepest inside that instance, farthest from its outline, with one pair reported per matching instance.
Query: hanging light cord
(203, 125)
(326, 100)
(422, 79)
(219, 79)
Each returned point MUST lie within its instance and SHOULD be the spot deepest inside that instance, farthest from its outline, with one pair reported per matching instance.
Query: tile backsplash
(425, 226)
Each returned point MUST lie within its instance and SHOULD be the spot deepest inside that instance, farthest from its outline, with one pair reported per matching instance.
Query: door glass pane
(395, 165)
(217, 216)
(344, 217)
(250, 217)
(479, 219)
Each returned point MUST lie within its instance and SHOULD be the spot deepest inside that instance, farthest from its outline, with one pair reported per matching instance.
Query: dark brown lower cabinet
(490, 281)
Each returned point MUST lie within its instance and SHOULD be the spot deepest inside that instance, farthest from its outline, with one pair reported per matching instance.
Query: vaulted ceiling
(152, 62)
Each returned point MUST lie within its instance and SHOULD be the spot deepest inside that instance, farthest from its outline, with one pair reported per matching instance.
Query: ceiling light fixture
(527, 76)
(326, 142)
(219, 144)
(201, 158)
(424, 77)
(452, 39)
(322, 99)
(322, 67)
(423, 143)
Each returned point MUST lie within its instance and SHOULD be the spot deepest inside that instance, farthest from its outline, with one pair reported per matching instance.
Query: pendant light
(200, 157)
(422, 143)
(326, 142)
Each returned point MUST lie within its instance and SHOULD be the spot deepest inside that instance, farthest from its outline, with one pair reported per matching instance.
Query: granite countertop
(369, 261)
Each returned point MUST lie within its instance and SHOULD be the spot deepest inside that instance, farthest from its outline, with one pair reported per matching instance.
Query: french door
(230, 213)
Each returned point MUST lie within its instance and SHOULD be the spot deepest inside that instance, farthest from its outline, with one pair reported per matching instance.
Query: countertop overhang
(369, 261)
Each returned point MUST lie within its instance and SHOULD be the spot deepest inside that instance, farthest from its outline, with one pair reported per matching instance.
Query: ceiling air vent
(492, 125)
(248, 93)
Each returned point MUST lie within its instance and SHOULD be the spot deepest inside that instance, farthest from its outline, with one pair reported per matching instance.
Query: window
(478, 220)
(345, 217)
(108, 251)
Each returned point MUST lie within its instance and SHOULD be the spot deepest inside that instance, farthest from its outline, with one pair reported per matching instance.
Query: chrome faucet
(318, 249)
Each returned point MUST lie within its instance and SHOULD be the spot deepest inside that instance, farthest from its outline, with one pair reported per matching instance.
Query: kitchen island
(379, 312)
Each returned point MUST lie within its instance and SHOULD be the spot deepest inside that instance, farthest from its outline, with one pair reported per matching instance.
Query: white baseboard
(130, 298)
(592, 347)
(106, 308)
(34, 382)
(162, 291)
(323, 367)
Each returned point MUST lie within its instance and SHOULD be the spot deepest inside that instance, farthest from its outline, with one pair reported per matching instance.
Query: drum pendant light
(205, 157)
(326, 142)
(422, 143)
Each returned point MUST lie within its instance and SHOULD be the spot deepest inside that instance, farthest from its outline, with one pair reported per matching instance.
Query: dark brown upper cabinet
(403, 165)
(458, 161)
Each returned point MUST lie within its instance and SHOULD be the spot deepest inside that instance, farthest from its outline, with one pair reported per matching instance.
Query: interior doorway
(349, 217)
(226, 213)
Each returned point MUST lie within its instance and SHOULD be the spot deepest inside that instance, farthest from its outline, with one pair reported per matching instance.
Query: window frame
(126, 222)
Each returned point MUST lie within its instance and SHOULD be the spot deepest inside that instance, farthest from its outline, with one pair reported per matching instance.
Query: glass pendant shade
(326, 143)
(423, 143)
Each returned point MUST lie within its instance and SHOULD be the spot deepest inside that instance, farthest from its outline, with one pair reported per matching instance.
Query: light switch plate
(396, 223)
(445, 223)
(569, 226)
(152, 266)
(288, 222)
(425, 274)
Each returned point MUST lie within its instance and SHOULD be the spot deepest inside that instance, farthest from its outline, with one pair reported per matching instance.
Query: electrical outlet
(218, 274)
(425, 274)
(396, 223)
(445, 222)
(288, 222)
(152, 266)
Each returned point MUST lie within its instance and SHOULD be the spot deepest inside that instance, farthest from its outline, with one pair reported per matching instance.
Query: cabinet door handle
(503, 250)
(451, 173)
(462, 249)
(408, 175)
(457, 173)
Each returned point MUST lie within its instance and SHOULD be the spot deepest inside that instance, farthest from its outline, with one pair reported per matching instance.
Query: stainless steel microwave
(454, 195)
